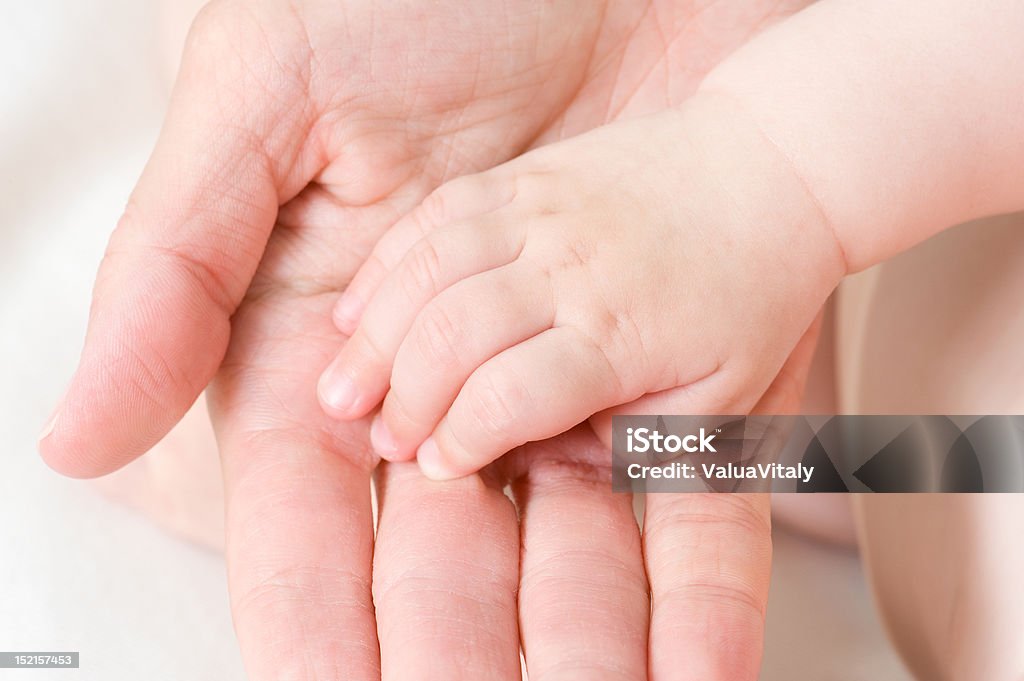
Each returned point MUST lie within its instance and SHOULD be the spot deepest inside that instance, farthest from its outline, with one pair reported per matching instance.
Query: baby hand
(676, 252)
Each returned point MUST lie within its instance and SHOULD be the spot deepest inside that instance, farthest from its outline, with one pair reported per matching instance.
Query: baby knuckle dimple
(438, 338)
(531, 184)
(492, 403)
(421, 269)
(538, 190)
(567, 257)
(620, 335)
(454, 199)
(620, 353)
(576, 252)
(436, 208)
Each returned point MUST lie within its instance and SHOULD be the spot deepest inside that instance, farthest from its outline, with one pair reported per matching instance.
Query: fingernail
(431, 463)
(347, 312)
(52, 421)
(337, 391)
(382, 440)
(48, 428)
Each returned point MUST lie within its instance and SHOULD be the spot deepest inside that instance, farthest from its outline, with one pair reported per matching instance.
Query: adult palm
(297, 133)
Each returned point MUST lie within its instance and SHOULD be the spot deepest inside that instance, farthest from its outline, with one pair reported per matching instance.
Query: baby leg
(939, 330)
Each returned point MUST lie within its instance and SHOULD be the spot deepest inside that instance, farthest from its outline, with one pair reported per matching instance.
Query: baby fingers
(460, 199)
(459, 330)
(358, 378)
(532, 391)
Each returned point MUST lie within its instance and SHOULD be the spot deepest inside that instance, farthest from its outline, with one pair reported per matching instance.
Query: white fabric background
(80, 104)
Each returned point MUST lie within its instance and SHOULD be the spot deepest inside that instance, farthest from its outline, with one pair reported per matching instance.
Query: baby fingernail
(382, 440)
(431, 463)
(337, 391)
(347, 312)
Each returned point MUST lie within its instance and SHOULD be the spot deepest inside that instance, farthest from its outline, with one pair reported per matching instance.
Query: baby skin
(516, 303)
(670, 264)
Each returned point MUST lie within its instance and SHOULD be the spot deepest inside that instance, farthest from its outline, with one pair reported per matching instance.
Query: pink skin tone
(521, 301)
(297, 134)
(516, 303)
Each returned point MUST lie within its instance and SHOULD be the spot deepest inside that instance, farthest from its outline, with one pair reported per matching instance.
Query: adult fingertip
(68, 466)
(51, 444)
(63, 453)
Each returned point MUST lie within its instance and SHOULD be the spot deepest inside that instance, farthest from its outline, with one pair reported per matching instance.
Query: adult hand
(298, 132)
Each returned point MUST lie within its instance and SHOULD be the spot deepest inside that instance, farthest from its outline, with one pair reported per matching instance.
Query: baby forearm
(945, 569)
(902, 118)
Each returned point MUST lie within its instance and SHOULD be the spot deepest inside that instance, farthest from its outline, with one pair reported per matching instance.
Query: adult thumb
(178, 263)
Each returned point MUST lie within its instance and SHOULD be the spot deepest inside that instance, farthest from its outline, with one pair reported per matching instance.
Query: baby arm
(903, 118)
(676, 252)
(687, 251)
